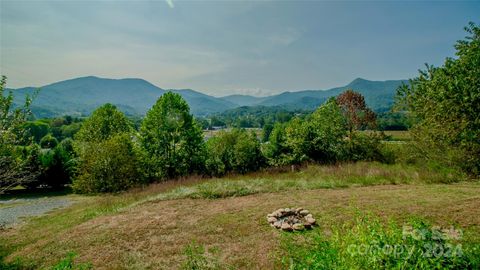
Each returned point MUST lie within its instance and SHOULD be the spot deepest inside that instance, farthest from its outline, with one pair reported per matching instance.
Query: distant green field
(398, 135)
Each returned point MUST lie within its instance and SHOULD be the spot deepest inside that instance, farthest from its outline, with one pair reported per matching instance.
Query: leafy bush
(48, 142)
(365, 146)
(276, 150)
(320, 137)
(367, 244)
(105, 122)
(58, 165)
(235, 150)
(14, 169)
(107, 160)
(444, 103)
(107, 166)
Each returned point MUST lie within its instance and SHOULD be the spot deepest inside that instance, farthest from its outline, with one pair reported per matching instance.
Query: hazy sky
(226, 47)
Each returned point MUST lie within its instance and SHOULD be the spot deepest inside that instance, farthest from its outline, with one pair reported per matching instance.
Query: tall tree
(13, 170)
(105, 122)
(171, 139)
(444, 103)
(355, 110)
(107, 160)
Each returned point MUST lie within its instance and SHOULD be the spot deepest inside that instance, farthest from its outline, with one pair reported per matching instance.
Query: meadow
(220, 223)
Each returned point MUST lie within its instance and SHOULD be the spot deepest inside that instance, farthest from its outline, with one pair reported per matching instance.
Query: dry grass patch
(155, 234)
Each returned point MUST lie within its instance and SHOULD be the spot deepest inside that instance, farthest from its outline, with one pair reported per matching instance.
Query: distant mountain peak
(80, 96)
(359, 80)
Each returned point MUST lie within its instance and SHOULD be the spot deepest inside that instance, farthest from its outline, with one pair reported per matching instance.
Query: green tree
(276, 150)
(107, 166)
(267, 130)
(107, 160)
(14, 170)
(444, 103)
(320, 137)
(236, 150)
(36, 129)
(48, 141)
(105, 122)
(171, 140)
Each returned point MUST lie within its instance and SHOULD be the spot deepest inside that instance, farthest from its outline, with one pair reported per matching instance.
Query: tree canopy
(444, 103)
(170, 138)
(105, 122)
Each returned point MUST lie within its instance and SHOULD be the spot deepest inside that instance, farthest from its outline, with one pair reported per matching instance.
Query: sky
(228, 47)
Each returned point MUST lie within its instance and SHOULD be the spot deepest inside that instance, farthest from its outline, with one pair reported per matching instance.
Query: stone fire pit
(290, 219)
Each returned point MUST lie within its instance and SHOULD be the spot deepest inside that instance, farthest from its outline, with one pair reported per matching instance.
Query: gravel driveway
(12, 211)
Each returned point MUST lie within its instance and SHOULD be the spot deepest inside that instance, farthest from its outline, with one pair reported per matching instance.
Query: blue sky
(227, 47)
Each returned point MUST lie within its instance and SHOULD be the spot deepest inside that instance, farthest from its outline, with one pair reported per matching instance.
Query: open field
(150, 228)
(398, 135)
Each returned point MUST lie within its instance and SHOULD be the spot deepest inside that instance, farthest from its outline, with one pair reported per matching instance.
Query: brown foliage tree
(355, 110)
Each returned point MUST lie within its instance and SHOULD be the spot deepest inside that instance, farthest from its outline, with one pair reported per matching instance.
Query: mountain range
(80, 96)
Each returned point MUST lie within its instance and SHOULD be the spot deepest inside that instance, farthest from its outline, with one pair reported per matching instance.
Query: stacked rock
(291, 219)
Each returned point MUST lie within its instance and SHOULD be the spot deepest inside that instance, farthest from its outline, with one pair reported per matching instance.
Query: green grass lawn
(220, 222)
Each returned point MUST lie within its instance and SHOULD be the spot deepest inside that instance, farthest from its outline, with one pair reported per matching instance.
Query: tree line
(110, 153)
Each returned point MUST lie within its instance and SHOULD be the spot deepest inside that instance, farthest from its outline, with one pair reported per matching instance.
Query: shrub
(58, 165)
(107, 166)
(364, 146)
(320, 137)
(444, 103)
(48, 142)
(276, 150)
(107, 160)
(235, 150)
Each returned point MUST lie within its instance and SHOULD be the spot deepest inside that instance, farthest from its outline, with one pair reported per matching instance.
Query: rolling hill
(80, 96)
(378, 94)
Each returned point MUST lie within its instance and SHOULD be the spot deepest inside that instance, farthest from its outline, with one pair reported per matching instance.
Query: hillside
(80, 96)
(378, 94)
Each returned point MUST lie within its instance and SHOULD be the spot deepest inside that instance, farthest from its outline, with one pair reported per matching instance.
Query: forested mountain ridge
(80, 96)
(378, 94)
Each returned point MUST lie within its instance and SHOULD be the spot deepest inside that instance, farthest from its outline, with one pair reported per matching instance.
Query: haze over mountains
(80, 96)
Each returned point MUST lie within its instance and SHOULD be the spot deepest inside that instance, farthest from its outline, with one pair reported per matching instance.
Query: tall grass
(310, 177)
(366, 243)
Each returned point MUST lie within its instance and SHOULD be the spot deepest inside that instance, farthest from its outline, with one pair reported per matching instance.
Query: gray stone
(272, 219)
(286, 227)
(304, 212)
(298, 227)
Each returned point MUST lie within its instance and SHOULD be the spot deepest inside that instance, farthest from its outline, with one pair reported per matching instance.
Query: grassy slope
(151, 227)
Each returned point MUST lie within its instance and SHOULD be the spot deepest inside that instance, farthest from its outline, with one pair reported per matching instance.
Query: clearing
(149, 228)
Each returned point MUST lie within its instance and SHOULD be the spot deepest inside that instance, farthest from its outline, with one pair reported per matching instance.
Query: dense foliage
(355, 110)
(14, 168)
(320, 137)
(365, 243)
(106, 156)
(444, 103)
(170, 139)
(236, 150)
